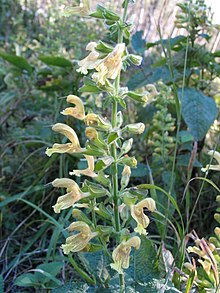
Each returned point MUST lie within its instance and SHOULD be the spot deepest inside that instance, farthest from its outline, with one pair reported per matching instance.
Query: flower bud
(136, 128)
(135, 59)
(129, 161)
(126, 147)
(126, 173)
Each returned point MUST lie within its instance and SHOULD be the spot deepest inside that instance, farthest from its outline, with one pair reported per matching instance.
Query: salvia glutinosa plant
(103, 195)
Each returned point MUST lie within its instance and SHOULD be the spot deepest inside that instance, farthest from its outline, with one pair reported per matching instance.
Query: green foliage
(199, 112)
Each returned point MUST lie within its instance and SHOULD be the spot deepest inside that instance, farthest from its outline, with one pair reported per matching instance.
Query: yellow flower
(91, 133)
(90, 61)
(110, 66)
(79, 241)
(88, 171)
(73, 147)
(121, 254)
(97, 121)
(73, 194)
(83, 9)
(138, 215)
(216, 155)
(78, 111)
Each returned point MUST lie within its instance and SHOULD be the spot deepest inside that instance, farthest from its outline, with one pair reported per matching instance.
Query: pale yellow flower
(78, 111)
(79, 241)
(88, 171)
(82, 10)
(137, 213)
(110, 66)
(121, 254)
(73, 147)
(73, 194)
(90, 61)
(216, 155)
(97, 121)
(91, 133)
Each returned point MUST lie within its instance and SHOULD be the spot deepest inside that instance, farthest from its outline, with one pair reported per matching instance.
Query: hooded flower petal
(73, 194)
(88, 171)
(137, 213)
(110, 66)
(83, 9)
(73, 147)
(79, 241)
(90, 61)
(97, 121)
(216, 155)
(121, 254)
(78, 111)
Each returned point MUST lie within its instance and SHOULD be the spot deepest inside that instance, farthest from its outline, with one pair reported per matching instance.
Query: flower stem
(83, 274)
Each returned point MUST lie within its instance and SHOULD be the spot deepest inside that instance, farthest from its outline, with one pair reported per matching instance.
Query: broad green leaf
(17, 61)
(199, 112)
(138, 43)
(55, 61)
(27, 280)
(151, 75)
(52, 268)
(72, 287)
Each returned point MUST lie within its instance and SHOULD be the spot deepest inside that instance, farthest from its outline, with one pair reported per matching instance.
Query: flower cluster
(107, 146)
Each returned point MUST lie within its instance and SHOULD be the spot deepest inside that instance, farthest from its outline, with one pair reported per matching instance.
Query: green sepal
(81, 216)
(103, 212)
(104, 48)
(140, 98)
(93, 150)
(95, 190)
(102, 179)
(119, 119)
(126, 146)
(128, 198)
(103, 163)
(112, 137)
(92, 247)
(129, 161)
(103, 13)
(89, 86)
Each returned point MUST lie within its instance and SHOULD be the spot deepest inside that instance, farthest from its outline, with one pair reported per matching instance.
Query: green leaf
(138, 43)
(199, 112)
(216, 53)
(27, 280)
(72, 287)
(151, 75)
(55, 61)
(17, 61)
(48, 271)
(89, 86)
(184, 159)
(144, 262)
(1, 284)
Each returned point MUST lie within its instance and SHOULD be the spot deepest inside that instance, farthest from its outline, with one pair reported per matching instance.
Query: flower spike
(121, 254)
(79, 241)
(138, 215)
(73, 147)
(73, 194)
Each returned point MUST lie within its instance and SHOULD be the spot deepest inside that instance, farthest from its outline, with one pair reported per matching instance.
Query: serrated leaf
(144, 262)
(17, 61)
(199, 112)
(55, 61)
